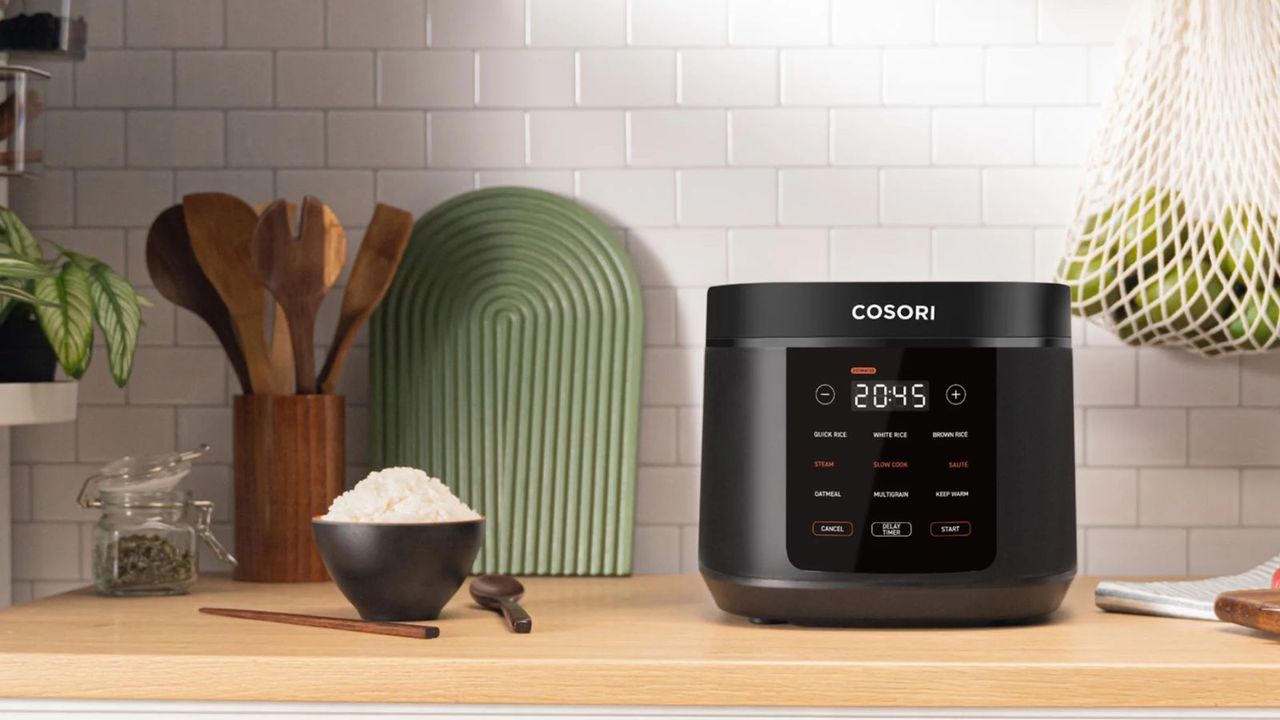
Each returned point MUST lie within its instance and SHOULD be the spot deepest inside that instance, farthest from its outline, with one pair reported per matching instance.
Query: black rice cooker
(888, 452)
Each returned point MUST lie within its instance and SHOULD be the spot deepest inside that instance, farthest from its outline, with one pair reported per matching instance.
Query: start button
(833, 528)
(951, 528)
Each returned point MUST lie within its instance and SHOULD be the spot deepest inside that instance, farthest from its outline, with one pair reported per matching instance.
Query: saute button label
(833, 528)
(891, 529)
(951, 528)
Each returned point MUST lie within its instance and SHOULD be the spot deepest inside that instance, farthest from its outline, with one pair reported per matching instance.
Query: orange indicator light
(863, 370)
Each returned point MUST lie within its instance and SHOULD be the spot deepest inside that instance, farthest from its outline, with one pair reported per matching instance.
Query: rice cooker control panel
(891, 459)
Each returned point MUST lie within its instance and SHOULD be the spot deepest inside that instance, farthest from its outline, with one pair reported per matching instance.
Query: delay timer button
(891, 529)
(824, 394)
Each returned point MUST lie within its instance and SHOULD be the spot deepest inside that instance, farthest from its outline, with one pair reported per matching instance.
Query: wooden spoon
(221, 228)
(298, 271)
(375, 265)
(502, 593)
(177, 275)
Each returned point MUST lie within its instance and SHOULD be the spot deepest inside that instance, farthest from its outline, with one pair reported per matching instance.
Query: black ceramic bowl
(399, 571)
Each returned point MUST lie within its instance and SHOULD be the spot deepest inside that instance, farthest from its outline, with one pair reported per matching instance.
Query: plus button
(956, 394)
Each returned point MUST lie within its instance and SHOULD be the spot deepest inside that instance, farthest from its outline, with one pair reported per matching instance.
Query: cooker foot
(767, 621)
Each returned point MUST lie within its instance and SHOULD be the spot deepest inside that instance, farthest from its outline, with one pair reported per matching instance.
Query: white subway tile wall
(726, 140)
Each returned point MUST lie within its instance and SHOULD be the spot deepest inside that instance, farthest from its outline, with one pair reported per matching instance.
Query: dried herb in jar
(142, 560)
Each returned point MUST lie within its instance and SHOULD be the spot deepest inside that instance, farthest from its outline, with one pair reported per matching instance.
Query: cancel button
(833, 528)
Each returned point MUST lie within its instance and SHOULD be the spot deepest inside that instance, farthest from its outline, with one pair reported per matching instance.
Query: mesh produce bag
(1175, 238)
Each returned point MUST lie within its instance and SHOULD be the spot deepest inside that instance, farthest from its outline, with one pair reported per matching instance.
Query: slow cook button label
(891, 529)
(833, 528)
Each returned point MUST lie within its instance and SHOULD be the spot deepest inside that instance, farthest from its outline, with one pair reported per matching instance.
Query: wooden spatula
(375, 265)
(298, 271)
(177, 275)
(1259, 609)
(281, 348)
(221, 228)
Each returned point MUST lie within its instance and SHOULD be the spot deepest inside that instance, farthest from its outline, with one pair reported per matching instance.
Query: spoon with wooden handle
(375, 265)
(221, 229)
(298, 271)
(502, 593)
(177, 275)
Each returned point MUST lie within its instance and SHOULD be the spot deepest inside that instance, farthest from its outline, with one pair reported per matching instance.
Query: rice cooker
(896, 453)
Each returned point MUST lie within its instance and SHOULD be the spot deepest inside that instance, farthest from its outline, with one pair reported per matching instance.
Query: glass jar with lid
(147, 540)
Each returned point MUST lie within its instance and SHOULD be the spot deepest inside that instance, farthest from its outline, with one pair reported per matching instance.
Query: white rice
(399, 495)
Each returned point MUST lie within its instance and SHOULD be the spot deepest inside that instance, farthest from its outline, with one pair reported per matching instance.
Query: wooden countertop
(654, 640)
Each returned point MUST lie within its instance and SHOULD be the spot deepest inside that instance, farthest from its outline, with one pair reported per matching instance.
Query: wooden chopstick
(420, 632)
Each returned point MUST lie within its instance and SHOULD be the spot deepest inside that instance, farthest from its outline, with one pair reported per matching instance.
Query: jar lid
(139, 474)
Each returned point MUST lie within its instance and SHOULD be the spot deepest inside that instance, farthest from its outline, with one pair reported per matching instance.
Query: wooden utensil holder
(290, 458)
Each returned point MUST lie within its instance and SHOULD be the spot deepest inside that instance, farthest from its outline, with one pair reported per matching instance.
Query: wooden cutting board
(506, 360)
(1258, 609)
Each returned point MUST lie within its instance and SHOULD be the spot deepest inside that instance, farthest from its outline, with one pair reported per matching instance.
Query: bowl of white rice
(399, 544)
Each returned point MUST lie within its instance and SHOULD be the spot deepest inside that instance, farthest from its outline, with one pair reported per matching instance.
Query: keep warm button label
(833, 528)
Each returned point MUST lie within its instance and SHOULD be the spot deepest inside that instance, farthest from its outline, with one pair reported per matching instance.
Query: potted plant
(48, 308)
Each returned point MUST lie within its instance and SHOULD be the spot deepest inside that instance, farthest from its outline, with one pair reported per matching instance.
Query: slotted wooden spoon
(375, 265)
(177, 274)
(221, 227)
(298, 271)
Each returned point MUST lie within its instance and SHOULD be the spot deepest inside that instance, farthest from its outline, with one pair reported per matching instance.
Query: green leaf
(19, 239)
(12, 266)
(13, 292)
(68, 320)
(115, 306)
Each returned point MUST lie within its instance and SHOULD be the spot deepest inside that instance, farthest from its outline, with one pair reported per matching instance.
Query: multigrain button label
(951, 528)
(833, 528)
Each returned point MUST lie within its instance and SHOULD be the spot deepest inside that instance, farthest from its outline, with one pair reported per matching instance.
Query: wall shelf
(37, 403)
(25, 404)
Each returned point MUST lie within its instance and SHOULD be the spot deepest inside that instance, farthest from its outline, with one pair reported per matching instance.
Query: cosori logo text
(877, 311)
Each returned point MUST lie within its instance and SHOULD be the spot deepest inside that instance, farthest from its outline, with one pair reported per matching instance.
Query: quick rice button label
(951, 528)
(833, 528)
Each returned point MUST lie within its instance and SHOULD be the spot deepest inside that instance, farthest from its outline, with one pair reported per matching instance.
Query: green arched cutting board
(505, 360)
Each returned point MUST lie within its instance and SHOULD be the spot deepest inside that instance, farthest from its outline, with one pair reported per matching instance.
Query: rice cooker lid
(889, 310)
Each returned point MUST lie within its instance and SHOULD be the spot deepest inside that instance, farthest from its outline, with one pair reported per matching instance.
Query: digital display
(890, 395)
